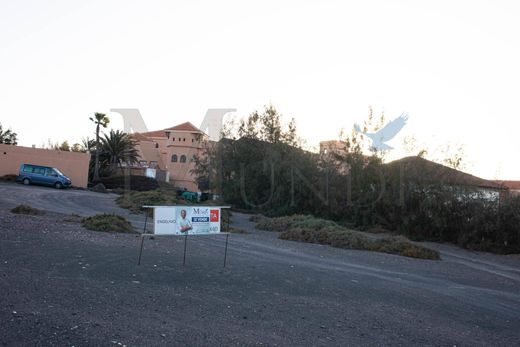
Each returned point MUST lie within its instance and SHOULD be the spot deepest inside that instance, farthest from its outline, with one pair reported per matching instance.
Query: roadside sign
(185, 220)
(182, 220)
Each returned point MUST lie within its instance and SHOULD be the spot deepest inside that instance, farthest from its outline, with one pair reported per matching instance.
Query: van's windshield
(58, 171)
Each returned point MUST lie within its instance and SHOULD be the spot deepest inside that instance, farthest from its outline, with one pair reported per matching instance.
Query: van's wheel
(58, 185)
(26, 181)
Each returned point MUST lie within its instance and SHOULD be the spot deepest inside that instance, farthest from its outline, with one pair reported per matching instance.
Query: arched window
(183, 158)
(174, 158)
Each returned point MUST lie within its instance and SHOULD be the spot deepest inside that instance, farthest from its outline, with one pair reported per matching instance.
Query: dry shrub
(108, 223)
(26, 209)
(314, 230)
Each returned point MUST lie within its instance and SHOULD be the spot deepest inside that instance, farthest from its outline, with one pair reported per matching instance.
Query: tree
(119, 148)
(267, 126)
(413, 147)
(8, 137)
(357, 142)
(65, 147)
(254, 168)
(78, 148)
(454, 156)
(89, 145)
(100, 120)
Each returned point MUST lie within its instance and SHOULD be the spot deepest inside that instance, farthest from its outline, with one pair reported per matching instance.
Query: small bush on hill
(26, 209)
(108, 223)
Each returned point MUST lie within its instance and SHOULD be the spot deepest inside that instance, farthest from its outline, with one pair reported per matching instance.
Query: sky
(453, 66)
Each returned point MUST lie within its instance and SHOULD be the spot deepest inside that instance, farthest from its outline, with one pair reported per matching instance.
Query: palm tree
(119, 148)
(101, 120)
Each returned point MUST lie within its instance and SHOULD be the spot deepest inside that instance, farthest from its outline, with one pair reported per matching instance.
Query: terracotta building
(172, 150)
(333, 146)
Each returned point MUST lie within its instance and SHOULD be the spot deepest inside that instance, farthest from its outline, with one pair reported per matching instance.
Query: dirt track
(63, 285)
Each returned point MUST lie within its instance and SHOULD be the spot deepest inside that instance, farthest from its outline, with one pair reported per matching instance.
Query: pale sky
(454, 66)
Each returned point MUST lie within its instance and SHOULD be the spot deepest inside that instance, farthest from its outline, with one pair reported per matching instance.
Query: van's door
(38, 175)
(51, 176)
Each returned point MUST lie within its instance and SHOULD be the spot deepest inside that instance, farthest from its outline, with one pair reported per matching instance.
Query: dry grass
(108, 223)
(26, 209)
(306, 228)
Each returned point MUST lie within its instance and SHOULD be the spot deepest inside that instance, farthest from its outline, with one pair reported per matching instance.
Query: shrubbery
(306, 228)
(260, 168)
(138, 183)
(108, 223)
(448, 215)
(8, 178)
(134, 201)
(26, 209)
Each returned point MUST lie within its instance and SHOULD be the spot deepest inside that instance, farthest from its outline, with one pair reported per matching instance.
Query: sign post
(184, 221)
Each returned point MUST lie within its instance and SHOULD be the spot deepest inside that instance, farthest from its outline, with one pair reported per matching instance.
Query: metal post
(145, 220)
(225, 251)
(185, 242)
(228, 220)
(141, 252)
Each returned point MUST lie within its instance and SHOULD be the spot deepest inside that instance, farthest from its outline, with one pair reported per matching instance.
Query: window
(156, 145)
(153, 164)
(184, 140)
(143, 163)
(183, 158)
(174, 158)
(52, 173)
(39, 170)
(28, 169)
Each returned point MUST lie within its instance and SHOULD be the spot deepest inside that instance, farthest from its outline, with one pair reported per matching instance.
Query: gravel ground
(66, 201)
(63, 285)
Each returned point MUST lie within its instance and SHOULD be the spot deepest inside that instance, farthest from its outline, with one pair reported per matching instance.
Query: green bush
(108, 223)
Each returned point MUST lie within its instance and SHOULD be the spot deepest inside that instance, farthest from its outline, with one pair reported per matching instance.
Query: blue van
(48, 176)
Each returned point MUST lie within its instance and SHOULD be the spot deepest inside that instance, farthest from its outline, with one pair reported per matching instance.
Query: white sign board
(182, 220)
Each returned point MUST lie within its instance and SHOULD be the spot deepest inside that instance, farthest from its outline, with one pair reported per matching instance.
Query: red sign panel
(214, 215)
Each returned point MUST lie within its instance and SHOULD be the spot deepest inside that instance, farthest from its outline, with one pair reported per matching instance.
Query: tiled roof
(181, 127)
(185, 127)
(510, 184)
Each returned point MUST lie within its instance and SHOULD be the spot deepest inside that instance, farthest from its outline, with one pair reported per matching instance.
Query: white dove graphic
(386, 133)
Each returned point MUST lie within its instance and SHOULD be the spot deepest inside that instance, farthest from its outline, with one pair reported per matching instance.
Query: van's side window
(28, 169)
(52, 173)
(39, 170)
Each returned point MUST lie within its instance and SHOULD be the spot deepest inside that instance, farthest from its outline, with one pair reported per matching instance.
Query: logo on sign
(213, 215)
